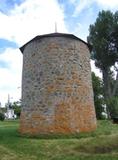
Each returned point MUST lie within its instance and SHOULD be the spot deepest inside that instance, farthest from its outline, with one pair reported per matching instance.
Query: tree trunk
(106, 81)
(109, 92)
(115, 87)
(107, 88)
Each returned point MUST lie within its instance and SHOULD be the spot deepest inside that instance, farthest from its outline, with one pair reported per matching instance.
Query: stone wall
(57, 94)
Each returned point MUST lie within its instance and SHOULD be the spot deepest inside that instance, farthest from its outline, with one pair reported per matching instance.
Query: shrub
(113, 107)
(2, 117)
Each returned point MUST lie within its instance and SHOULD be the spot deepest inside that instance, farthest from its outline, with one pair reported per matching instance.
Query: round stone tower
(57, 94)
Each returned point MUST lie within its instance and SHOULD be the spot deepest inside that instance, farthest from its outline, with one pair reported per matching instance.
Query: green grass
(99, 145)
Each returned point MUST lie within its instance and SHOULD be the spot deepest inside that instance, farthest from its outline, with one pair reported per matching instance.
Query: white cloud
(10, 78)
(95, 70)
(31, 18)
(108, 4)
(81, 5)
(81, 29)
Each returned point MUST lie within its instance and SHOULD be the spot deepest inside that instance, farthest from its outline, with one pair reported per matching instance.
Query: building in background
(10, 114)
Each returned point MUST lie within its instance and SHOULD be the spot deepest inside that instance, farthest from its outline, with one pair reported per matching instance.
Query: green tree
(103, 37)
(17, 108)
(98, 95)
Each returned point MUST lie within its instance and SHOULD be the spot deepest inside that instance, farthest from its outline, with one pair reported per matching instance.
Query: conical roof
(53, 35)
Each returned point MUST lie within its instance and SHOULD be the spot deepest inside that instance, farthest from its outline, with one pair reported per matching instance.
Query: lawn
(99, 145)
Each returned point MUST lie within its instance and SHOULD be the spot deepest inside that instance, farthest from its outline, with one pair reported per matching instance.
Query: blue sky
(21, 20)
(7, 5)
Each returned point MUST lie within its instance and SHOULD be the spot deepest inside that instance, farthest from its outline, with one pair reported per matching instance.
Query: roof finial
(55, 27)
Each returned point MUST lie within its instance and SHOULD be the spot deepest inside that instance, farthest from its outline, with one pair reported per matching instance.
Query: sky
(21, 20)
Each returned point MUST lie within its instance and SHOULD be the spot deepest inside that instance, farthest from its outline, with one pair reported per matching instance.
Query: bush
(2, 117)
(113, 107)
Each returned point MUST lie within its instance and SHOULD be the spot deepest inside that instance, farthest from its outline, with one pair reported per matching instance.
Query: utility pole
(55, 27)
(8, 106)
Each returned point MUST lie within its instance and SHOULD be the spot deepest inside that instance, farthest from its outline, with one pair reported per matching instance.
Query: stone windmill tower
(57, 94)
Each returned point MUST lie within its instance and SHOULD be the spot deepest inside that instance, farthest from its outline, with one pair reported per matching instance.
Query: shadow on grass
(58, 136)
(100, 149)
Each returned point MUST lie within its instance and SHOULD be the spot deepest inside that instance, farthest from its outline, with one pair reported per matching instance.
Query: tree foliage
(103, 37)
(98, 95)
(17, 108)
